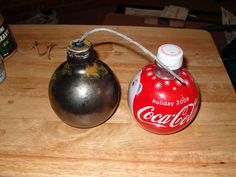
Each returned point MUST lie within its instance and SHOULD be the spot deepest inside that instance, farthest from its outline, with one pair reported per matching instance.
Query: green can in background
(7, 41)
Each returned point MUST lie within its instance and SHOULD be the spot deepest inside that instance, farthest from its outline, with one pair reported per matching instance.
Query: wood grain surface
(35, 142)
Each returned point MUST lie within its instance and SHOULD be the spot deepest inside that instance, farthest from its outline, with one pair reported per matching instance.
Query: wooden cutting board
(35, 142)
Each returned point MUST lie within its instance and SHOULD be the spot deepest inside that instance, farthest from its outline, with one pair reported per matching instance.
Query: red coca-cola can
(158, 101)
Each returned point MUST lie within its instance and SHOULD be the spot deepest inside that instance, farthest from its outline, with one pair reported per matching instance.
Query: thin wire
(146, 51)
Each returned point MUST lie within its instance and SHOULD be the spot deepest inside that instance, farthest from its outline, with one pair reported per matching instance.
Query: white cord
(146, 51)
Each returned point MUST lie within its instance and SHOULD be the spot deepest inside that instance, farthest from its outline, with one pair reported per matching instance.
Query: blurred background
(114, 12)
(96, 11)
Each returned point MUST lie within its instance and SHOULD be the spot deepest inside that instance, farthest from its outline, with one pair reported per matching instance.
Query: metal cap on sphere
(171, 56)
(78, 50)
(77, 46)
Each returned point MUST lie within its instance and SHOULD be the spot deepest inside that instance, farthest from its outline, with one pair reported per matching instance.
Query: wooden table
(35, 142)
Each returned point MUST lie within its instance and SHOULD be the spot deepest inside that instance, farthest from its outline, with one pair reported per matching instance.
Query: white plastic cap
(170, 55)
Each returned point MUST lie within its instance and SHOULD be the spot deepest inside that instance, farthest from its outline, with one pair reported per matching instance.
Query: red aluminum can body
(163, 106)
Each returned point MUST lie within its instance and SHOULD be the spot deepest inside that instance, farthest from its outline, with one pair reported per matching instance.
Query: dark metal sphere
(84, 95)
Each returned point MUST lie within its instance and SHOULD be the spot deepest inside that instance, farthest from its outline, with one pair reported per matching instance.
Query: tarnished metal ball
(83, 91)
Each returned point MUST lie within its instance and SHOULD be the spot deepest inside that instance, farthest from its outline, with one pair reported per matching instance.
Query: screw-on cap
(79, 50)
(170, 55)
(78, 46)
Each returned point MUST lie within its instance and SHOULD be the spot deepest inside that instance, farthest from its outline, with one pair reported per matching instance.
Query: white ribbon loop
(146, 51)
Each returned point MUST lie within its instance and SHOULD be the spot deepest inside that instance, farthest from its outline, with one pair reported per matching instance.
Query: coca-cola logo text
(150, 115)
